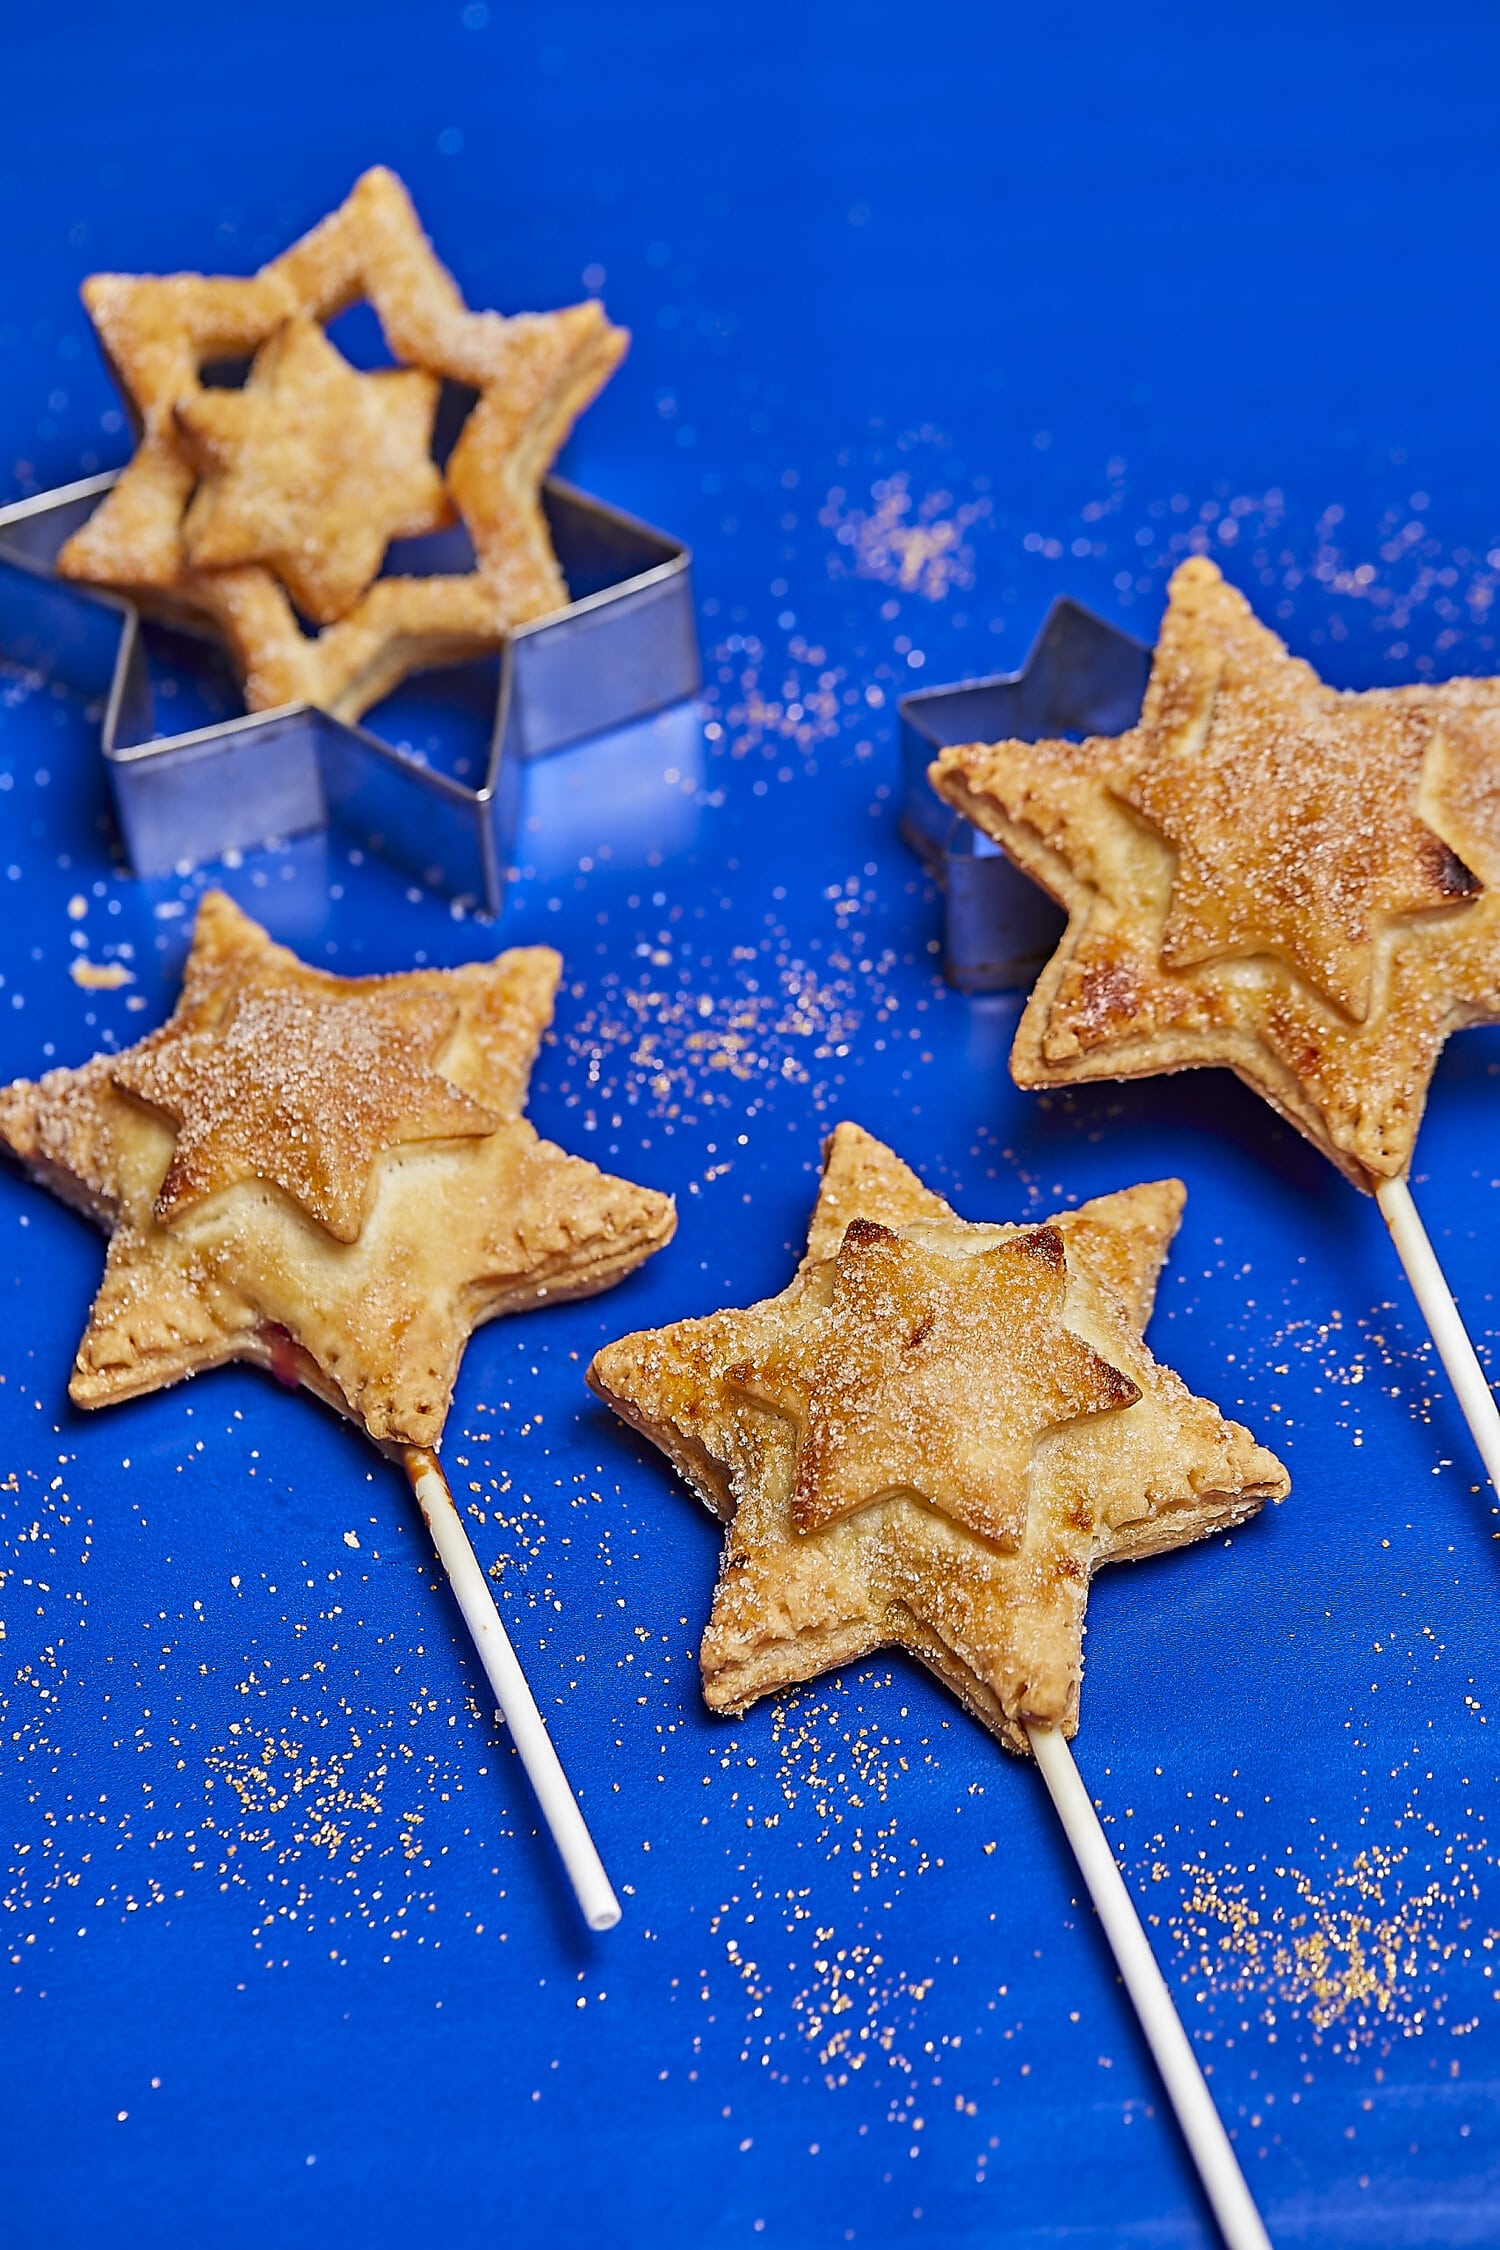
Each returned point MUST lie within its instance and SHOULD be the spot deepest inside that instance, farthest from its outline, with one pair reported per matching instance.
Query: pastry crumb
(99, 976)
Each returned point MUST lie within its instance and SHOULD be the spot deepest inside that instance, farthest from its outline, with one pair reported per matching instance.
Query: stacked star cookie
(252, 510)
(932, 1438)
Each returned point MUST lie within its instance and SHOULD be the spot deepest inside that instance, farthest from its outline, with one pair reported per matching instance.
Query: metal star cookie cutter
(624, 647)
(1081, 676)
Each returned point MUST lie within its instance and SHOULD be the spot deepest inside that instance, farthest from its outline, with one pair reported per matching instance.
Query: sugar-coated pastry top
(1264, 872)
(330, 1176)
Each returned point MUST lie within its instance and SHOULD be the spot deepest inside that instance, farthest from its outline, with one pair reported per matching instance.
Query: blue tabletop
(937, 313)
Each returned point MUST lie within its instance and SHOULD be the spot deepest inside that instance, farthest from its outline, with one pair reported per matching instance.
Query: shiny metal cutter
(625, 647)
(1081, 676)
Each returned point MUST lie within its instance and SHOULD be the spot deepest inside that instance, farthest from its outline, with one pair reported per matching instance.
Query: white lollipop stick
(1202, 2129)
(1430, 1288)
(601, 1909)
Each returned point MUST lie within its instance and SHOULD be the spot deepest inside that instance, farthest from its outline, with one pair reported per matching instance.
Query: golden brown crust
(870, 1382)
(260, 531)
(311, 469)
(1264, 874)
(302, 1086)
(995, 1607)
(463, 1212)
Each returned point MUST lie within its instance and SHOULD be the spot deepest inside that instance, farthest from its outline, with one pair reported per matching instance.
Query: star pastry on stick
(329, 1176)
(214, 518)
(932, 1437)
(1263, 872)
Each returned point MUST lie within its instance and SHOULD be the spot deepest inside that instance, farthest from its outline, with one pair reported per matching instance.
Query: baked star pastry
(311, 469)
(932, 1437)
(329, 1176)
(1264, 872)
(204, 521)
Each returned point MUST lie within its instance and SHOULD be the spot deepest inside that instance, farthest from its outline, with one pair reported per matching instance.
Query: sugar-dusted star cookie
(545, 367)
(311, 469)
(330, 1176)
(1264, 872)
(931, 1438)
(217, 518)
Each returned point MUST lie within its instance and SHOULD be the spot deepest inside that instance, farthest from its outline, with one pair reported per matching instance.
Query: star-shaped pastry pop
(1264, 872)
(329, 1176)
(932, 1437)
(214, 518)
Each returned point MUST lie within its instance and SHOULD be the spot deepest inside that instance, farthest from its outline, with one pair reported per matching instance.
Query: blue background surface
(1068, 293)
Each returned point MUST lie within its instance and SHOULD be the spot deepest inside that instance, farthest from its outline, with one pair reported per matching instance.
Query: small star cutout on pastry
(150, 539)
(303, 1085)
(311, 469)
(1116, 1459)
(328, 1176)
(868, 1385)
(1264, 872)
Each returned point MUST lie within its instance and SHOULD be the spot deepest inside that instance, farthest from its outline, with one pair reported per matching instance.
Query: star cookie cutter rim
(614, 655)
(1081, 675)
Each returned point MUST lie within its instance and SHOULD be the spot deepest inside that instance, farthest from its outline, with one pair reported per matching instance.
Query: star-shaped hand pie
(237, 547)
(311, 469)
(329, 1176)
(844, 1429)
(1264, 872)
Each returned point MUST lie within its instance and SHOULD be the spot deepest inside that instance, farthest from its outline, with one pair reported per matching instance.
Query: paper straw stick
(1430, 1288)
(1202, 2129)
(601, 1909)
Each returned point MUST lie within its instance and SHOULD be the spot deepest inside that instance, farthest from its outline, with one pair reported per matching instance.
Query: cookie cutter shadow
(624, 647)
(1211, 1107)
